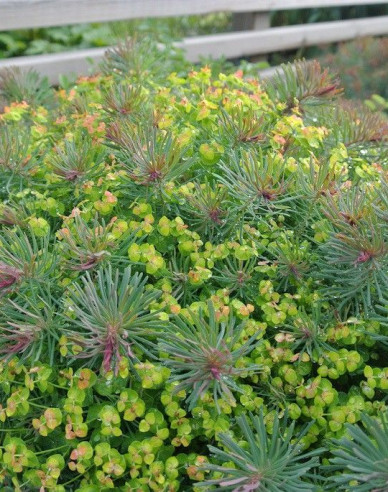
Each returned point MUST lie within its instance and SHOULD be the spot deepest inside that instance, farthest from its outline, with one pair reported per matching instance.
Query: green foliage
(354, 259)
(263, 462)
(15, 158)
(81, 36)
(190, 258)
(139, 57)
(304, 83)
(202, 355)
(111, 316)
(307, 333)
(17, 86)
(151, 158)
(79, 160)
(323, 14)
(362, 65)
(25, 257)
(362, 457)
(256, 183)
(83, 247)
(205, 210)
(29, 326)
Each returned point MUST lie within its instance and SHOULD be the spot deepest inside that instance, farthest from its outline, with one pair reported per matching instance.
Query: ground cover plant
(194, 281)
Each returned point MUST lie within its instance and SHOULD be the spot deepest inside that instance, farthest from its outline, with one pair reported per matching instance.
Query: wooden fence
(252, 36)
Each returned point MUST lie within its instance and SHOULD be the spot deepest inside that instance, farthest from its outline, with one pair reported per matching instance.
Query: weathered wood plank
(75, 63)
(239, 44)
(79, 62)
(231, 45)
(17, 14)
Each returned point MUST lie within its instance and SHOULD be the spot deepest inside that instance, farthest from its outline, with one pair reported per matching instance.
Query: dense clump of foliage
(194, 282)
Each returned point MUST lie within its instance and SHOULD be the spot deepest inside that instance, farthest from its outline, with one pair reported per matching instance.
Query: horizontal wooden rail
(20, 14)
(239, 44)
(231, 45)
(76, 63)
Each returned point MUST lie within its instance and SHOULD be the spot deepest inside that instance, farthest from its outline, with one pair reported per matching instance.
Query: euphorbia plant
(186, 257)
(207, 355)
(262, 462)
(112, 318)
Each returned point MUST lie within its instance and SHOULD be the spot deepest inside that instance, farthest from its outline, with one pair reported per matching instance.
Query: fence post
(249, 21)
(252, 21)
